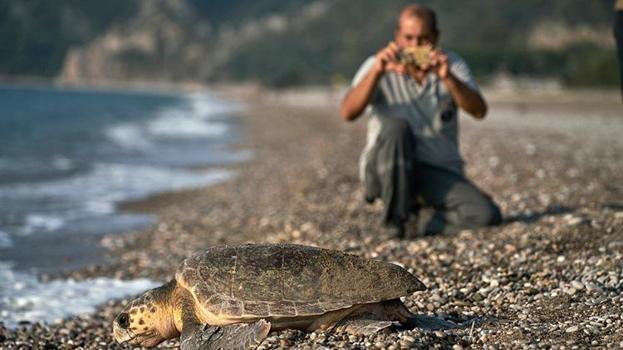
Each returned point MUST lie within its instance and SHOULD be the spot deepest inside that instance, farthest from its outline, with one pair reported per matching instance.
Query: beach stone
(615, 245)
(572, 329)
(592, 287)
(575, 220)
(407, 338)
(570, 291)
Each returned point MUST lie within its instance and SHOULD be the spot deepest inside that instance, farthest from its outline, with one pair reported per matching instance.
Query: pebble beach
(550, 277)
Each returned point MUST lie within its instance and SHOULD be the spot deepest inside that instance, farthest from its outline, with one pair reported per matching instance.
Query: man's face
(413, 31)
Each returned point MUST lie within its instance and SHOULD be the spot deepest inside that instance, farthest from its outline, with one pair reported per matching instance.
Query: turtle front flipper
(239, 336)
(362, 326)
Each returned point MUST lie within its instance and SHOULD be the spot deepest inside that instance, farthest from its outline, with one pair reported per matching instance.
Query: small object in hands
(415, 55)
(231, 297)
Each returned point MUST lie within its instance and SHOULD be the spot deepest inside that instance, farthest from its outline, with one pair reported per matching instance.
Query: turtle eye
(123, 320)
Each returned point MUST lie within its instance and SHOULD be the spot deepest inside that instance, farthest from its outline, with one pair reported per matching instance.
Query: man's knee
(485, 213)
(494, 215)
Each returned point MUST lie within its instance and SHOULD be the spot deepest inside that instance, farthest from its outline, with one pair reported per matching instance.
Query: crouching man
(412, 91)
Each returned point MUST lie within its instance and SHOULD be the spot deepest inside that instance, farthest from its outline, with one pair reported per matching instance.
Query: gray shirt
(428, 107)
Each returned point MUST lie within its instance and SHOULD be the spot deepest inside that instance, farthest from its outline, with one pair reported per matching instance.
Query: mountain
(281, 43)
(35, 35)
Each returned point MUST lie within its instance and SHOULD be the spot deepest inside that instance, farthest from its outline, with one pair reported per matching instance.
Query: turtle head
(146, 320)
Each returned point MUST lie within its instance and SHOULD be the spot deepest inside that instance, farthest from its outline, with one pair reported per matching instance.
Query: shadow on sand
(438, 323)
(532, 217)
(613, 206)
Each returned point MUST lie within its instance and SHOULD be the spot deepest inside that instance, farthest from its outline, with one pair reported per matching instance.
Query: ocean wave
(129, 136)
(37, 222)
(204, 105)
(61, 162)
(32, 168)
(97, 192)
(107, 182)
(24, 298)
(5, 240)
(179, 124)
(198, 116)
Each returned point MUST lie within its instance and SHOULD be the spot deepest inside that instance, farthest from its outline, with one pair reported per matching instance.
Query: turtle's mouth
(122, 335)
(147, 339)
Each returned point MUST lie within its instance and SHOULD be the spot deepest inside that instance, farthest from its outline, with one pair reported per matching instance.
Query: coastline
(510, 91)
(301, 186)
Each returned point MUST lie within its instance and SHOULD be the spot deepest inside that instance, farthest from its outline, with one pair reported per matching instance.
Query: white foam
(204, 105)
(28, 165)
(129, 136)
(42, 222)
(114, 182)
(24, 298)
(61, 162)
(100, 206)
(194, 117)
(180, 125)
(5, 240)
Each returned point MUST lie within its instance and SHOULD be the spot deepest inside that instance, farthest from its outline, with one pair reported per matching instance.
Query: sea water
(68, 158)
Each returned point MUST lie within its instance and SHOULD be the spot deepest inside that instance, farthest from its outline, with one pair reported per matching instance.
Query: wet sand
(550, 276)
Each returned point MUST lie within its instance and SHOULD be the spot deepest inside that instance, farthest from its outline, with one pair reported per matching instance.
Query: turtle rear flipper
(240, 336)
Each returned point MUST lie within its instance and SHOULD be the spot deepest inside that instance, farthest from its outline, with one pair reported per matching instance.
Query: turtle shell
(287, 280)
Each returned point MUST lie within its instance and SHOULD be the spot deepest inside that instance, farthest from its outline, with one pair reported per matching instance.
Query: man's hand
(387, 60)
(439, 64)
(358, 97)
(465, 97)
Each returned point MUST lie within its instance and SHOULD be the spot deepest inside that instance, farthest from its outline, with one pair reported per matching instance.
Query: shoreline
(301, 186)
(61, 253)
(510, 93)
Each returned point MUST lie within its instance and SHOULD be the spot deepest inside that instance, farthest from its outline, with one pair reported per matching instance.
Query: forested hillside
(283, 43)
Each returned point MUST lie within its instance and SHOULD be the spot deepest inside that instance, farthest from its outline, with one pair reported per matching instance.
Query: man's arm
(466, 98)
(358, 97)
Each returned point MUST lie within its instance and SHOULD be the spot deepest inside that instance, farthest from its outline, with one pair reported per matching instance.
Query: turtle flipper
(240, 336)
(361, 326)
(410, 320)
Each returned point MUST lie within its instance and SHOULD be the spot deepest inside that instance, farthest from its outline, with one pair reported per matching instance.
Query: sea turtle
(230, 297)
